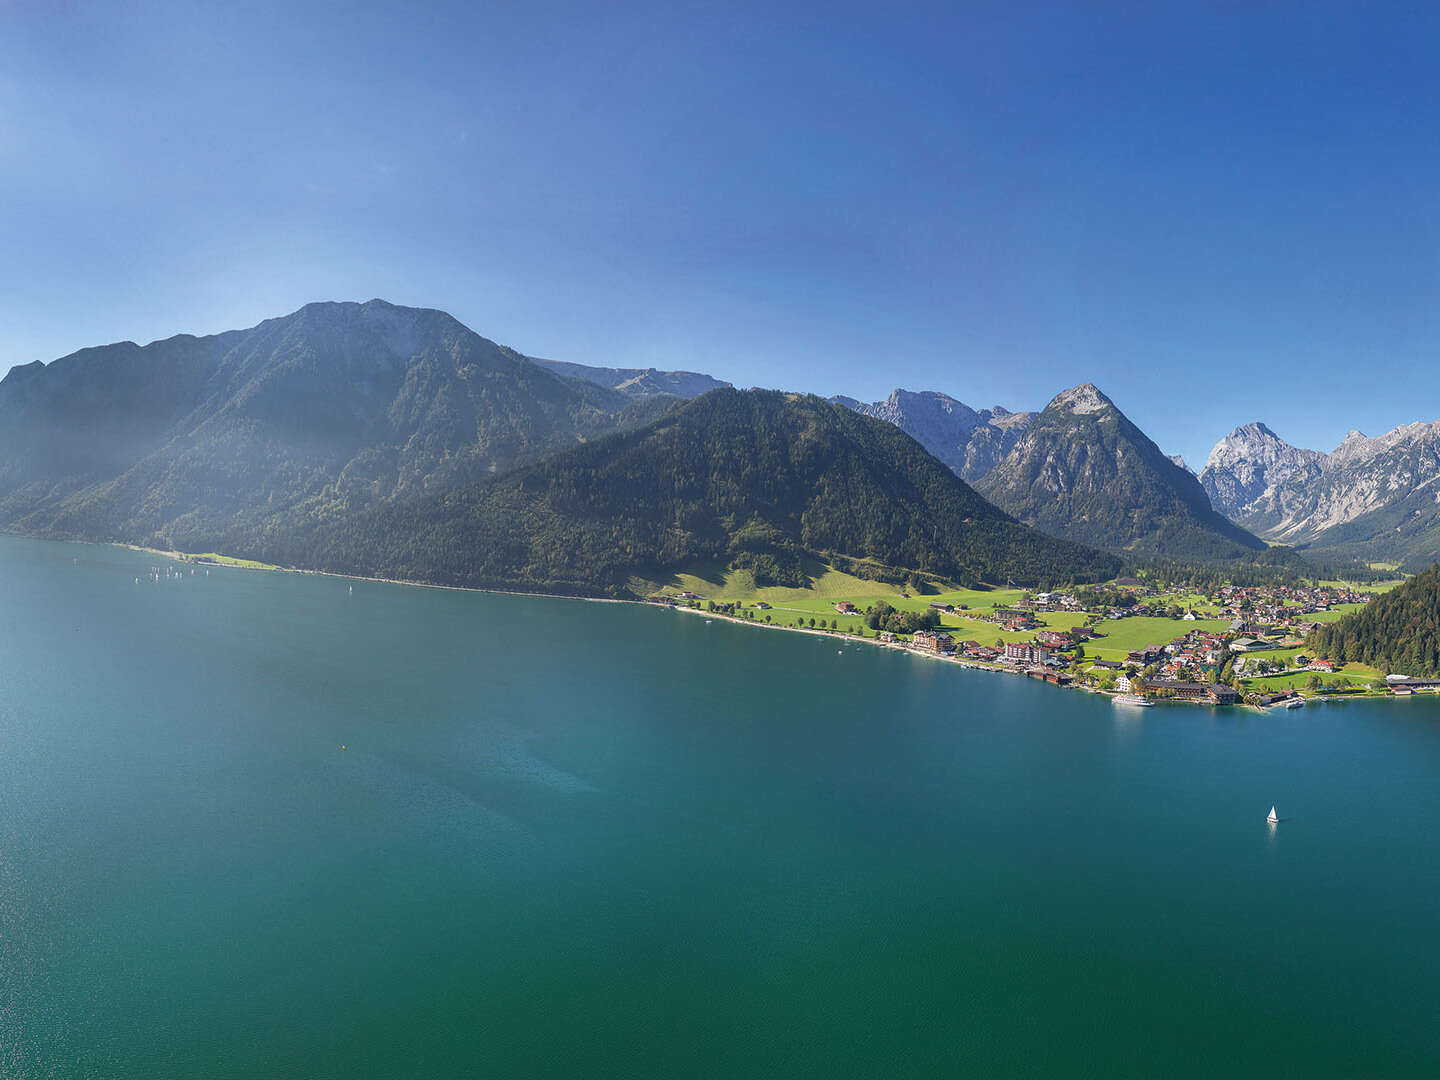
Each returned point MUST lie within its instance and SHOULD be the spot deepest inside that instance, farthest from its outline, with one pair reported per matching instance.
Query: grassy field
(1280, 656)
(1200, 604)
(226, 560)
(1336, 612)
(1366, 586)
(1122, 635)
(1299, 680)
(830, 586)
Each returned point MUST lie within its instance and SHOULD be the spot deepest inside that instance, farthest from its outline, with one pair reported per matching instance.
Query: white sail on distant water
(1274, 817)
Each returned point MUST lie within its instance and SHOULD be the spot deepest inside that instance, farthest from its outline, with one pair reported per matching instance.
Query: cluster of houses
(1190, 649)
(1261, 618)
(1283, 605)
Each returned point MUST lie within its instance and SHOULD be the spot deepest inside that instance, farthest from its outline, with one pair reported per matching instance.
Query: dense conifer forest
(1398, 631)
(759, 480)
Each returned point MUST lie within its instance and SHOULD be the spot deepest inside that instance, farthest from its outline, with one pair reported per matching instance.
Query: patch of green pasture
(1122, 635)
(1339, 611)
(227, 560)
(1366, 586)
(1299, 680)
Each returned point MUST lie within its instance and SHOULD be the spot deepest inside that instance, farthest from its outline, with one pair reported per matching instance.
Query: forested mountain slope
(1398, 631)
(755, 479)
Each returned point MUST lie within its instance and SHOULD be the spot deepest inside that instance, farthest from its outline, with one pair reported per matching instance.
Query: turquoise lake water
(576, 840)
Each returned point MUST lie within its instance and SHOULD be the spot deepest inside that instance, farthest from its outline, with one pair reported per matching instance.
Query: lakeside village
(1130, 638)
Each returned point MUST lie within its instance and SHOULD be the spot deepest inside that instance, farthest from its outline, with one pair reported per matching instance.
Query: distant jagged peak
(933, 400)
(1254, 442)
(1083, 399)
(902, 403)
(939, 397)
(1256, 429)
(1357, 446)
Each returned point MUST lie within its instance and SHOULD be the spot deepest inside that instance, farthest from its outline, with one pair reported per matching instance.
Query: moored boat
(1133, 699)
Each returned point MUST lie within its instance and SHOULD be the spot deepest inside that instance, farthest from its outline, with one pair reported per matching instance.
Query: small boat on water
(1133, 699)
(1274, 818)
(1295, 703)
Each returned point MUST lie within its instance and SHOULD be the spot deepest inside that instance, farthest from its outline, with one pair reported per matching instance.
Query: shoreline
(975, 665)
(185, 557)
(834, 635)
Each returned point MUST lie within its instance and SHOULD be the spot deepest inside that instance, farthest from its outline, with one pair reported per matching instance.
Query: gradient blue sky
(1216, 212)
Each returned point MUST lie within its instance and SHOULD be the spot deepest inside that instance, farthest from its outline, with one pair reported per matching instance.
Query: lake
(581, 839)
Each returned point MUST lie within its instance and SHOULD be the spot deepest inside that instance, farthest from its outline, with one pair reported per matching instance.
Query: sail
(1273, 816)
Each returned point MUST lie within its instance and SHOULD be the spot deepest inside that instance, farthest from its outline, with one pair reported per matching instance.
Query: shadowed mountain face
(213, 442)
(1375, 499)
(970, 441)
(1083, 471)
(755, 480)
(638, 382)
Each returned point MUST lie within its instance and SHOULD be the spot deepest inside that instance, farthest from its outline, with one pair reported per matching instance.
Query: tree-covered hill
(218, 443)
(1398, 631)
(755, 479)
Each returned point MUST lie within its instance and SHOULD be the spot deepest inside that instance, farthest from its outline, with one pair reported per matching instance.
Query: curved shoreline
(834, 635)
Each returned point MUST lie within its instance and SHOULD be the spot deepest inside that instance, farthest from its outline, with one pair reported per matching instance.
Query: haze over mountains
(219, 441)
(638, 382)
(268, 441)
(285, 442)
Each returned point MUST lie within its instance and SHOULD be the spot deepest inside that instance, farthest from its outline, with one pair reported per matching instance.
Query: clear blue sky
(1217, 212)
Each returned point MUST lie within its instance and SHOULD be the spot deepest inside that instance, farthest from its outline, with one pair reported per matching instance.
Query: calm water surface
(570, 839)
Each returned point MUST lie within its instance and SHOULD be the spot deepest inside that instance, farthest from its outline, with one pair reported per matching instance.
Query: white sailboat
(1274, 818)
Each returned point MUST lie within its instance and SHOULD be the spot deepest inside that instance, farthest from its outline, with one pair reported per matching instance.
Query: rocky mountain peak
(1082, 399)
(1249, 443)
(967, 440)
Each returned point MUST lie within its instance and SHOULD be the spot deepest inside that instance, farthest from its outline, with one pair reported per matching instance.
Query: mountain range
(396, 440)
(216, 442)
(754, 480)
(1083, 471)
(274, 440)
(1078, 469)
(1372, 499)
(970, 441)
